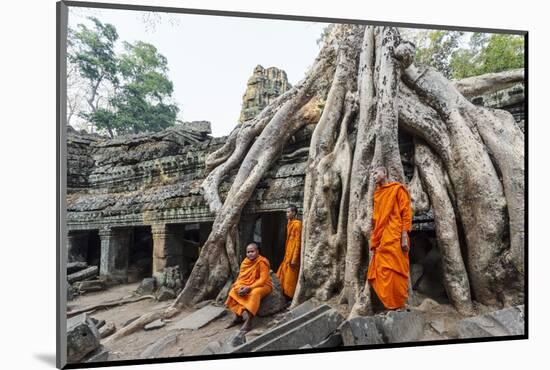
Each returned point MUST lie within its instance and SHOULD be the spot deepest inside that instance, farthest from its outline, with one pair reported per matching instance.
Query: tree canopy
(459, 55)
(136, 89)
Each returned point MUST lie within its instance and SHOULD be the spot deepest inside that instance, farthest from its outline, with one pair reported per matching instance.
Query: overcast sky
(210, 58)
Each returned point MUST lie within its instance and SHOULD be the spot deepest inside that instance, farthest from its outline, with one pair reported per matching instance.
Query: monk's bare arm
(406, 217)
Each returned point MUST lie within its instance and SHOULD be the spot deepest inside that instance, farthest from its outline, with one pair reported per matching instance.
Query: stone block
(82, 337)
(361, 330)
(509, 321)
(275, 301)
(400, 326)
(200, 318)
(165, 294)
(146, 287)
(311, 328)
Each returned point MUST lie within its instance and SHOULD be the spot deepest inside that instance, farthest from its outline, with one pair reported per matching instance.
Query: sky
(210, 58)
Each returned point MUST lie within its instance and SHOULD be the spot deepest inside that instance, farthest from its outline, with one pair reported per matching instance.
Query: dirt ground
(440, 323)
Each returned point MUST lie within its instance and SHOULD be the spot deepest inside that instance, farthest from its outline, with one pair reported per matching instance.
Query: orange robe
(388, 271)
(287, 275)
(254, 274)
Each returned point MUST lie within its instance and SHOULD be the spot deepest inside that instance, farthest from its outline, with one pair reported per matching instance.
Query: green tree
(139, 90)
(141, 103)
(92, 51)
(488, 53)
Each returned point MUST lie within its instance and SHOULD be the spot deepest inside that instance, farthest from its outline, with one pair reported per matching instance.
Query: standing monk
(388, 272)
(253, 283)
(288, 271)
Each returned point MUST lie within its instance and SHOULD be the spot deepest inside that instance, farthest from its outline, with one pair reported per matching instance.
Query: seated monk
(252, 284)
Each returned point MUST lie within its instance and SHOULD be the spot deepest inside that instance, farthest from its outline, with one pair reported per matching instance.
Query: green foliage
(451, 53)
(93, 52)
(488, 53)
(436, 49)
(141, 89)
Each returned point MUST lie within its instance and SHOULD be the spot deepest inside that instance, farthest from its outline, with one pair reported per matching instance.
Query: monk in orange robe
(252, 284)
(388, 272)
(290, 267)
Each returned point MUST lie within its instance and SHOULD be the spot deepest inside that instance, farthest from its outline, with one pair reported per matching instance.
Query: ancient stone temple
(262, 88)
(134, 204)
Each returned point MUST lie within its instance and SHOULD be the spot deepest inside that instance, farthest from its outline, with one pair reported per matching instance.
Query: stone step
(310, 328)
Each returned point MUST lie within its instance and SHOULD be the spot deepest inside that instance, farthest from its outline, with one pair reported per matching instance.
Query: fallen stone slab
(76, 266)
(95, 285)
(509, 321)
(361, 330)
(88, 272)
(157, 347)
(275, 301)
(107, 330)
(311, 328)
(157, 324)
(82, 337)
(302, 309)
(200, 318)
(400, 326)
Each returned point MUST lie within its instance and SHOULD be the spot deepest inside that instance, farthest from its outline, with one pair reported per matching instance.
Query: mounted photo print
(237, 184)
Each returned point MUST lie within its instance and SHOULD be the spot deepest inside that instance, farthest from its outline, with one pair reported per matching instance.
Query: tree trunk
(469, 169)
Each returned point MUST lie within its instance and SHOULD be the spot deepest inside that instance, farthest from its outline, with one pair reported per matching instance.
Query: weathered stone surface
(99, 355)
(509, 321)
(360, 330)
(165, 294)
(311, 328)
(82, 337)
(83, 274)
(157, 324)
(146, 287)
(90, 285)
(275, 301)
(200, 318)
(73, 267)
(262, 88)
(156, 348)
(334, 340)
(400, 326)
(99, 324)
(438, 326)
(302, 309)
(171, 277)
(107, 330)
